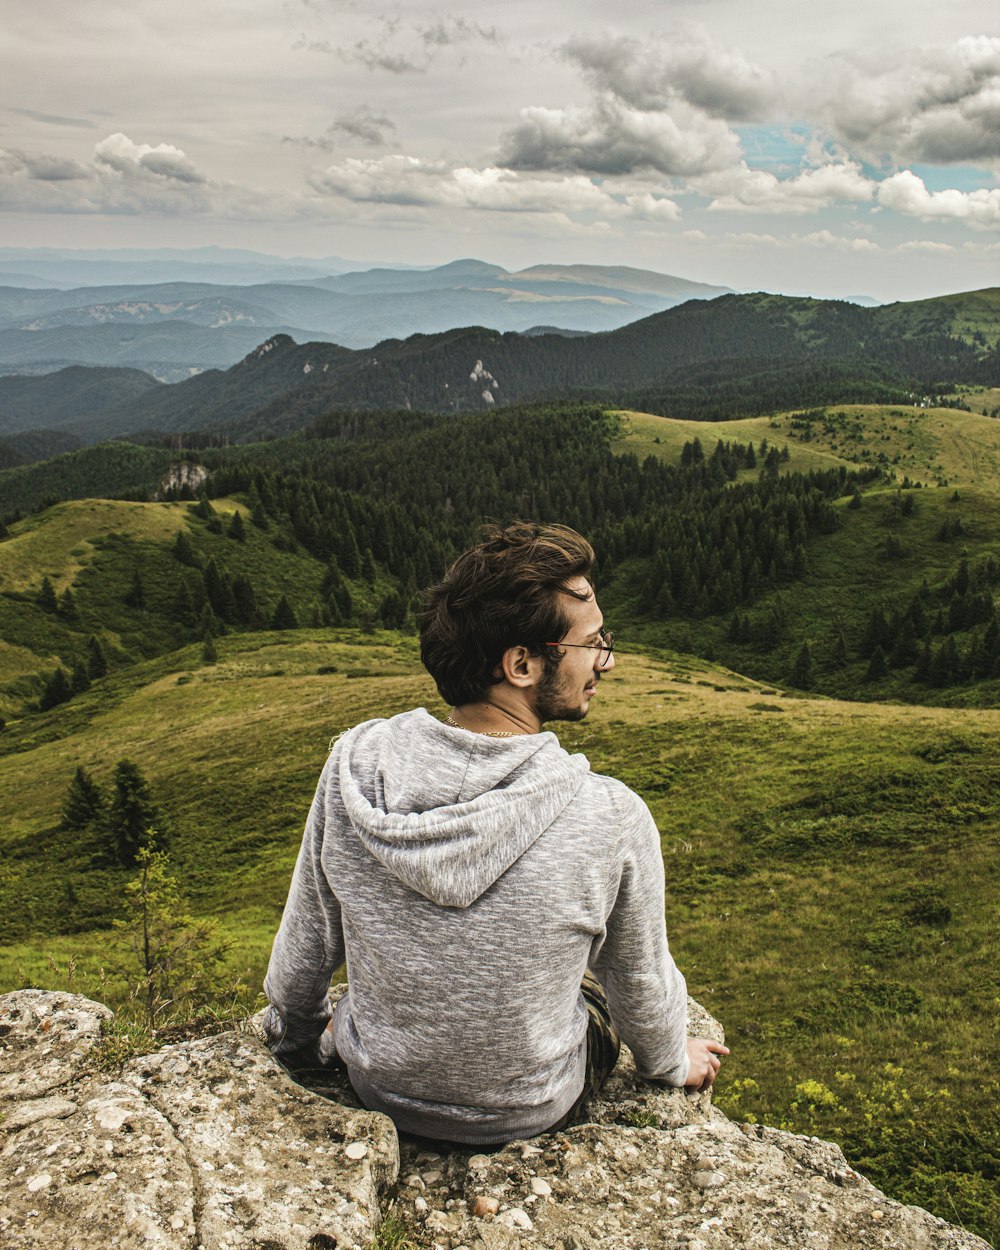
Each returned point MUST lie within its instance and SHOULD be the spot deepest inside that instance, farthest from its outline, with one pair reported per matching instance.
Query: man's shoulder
(627, 803)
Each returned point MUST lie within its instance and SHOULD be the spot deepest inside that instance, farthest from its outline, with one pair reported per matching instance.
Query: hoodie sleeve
(308, 948)
(646, 991)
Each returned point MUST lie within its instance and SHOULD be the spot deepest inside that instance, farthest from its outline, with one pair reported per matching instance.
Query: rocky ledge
(210, 1145)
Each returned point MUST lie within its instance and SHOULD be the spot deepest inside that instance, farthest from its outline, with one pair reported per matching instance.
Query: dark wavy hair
(506, 591)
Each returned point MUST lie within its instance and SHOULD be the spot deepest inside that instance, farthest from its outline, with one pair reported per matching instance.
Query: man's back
(476, 880)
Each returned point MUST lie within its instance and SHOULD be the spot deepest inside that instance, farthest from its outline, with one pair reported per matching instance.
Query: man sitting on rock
(482, 883)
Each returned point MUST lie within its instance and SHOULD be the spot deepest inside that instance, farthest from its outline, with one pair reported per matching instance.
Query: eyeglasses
(605, 647)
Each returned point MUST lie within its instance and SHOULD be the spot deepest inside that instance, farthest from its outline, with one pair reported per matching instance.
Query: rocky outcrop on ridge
(210, 1145)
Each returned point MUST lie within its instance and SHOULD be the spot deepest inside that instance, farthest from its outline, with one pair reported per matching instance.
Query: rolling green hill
(832, 867)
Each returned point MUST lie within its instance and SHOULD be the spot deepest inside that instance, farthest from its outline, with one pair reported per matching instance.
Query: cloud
(660, 105)
(133, 179)
(40, 167)
(925, 245)
(939, 105)
(373, 57)
(363, 125)
(53, 119)
(612, 137)
(827, 240)
(407, 181)
(446, 31)
(690, 66)
(823, 240)
(119, 153)
(743, 189)
(907, 194)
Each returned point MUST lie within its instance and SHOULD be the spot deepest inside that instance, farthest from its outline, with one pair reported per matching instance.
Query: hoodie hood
(447, 811)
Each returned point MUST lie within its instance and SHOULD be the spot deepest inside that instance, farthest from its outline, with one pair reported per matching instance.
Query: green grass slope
(832, 867)
(95, 548)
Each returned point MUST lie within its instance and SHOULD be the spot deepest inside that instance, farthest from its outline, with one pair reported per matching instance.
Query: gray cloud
(446, 31)
(40, 166)
(660, 106)
(53, 119)
(365, 53)
(940, 105)
(652, 75)
(612, 138)
(363, 125)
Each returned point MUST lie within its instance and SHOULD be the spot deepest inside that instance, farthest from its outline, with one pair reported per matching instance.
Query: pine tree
(132, 813)
(839, 656)
(97, 658)
(58, 689)
(209, 623)
(47, 596)
(136, 596)
(209, 654)
(67, 605)
(803, 673)
(84, 801)
(244, 600)
(877, 666)
(284, 616)
(392, 610)
(182, 608)
(183, 551)
(79, 678)
(236, 529)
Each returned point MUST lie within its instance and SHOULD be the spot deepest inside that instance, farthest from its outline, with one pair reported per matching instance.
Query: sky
(759, 144)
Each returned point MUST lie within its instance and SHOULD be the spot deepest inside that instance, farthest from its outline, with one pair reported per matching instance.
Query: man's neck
(496, 717)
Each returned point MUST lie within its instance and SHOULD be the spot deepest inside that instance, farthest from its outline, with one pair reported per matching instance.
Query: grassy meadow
(934, 446)
(832, 866)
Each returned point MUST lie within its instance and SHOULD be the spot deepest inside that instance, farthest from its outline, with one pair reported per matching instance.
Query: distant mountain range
(172, 329)
(737, 355)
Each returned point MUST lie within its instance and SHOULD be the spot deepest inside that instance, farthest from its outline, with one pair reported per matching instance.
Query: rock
(514, 1217)
(210, 1144)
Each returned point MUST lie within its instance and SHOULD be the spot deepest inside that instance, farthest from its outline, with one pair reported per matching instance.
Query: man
(471, 872)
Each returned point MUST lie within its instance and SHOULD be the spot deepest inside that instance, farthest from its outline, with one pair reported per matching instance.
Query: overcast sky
(761, 144)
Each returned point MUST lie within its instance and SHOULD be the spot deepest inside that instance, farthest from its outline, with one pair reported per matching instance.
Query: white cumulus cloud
(907, 194)
(118, 152)
(743, 189)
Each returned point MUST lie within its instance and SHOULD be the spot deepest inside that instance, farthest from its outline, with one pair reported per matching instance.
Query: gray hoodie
(469, 881)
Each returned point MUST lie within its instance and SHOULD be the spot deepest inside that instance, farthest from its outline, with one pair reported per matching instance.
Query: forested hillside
(706, 359)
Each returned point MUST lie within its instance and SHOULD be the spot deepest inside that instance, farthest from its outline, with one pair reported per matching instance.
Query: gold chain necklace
(486, 733)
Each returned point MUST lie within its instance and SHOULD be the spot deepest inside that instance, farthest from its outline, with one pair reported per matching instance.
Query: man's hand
(706, 1059)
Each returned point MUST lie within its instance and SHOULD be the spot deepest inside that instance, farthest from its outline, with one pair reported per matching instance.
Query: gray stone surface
(209, 1145)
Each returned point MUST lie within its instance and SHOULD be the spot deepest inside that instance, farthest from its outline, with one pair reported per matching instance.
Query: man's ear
(520, 668)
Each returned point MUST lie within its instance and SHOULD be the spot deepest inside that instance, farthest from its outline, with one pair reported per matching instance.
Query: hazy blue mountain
(42, 326)
(70, 267)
